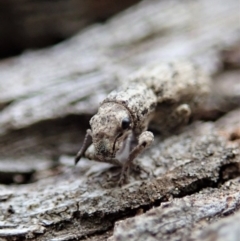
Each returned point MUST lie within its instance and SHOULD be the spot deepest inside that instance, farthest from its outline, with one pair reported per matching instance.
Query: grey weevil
(163, 96)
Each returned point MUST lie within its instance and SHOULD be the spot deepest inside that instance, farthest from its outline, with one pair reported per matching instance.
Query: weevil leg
(144, 141)
(86, 143)
(182, 114)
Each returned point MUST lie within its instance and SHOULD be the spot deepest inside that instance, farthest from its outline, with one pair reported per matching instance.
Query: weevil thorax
(110, 127)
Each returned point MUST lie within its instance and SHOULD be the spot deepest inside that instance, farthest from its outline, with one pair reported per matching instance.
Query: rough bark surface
(47, 97)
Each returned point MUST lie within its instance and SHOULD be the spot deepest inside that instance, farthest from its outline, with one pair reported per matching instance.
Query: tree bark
(48, 96)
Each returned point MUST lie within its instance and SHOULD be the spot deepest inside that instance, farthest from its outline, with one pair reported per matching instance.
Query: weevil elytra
(163, 95)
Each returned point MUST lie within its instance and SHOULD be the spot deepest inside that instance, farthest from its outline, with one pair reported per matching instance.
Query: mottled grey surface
(48, 96)
(73, 203)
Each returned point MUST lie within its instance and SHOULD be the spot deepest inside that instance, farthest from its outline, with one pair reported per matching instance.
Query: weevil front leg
(181, 114)
(144, 141)
(86, 143)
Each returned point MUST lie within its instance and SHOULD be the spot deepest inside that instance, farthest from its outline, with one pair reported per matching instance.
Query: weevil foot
(144, 141)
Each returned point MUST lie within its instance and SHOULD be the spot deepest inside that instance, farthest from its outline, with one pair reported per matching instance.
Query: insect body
(163, 95)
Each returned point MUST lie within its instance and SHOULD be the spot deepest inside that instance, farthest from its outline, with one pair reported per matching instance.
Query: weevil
(163, 96)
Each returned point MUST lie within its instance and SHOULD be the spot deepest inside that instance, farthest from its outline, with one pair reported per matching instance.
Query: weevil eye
(125, 123)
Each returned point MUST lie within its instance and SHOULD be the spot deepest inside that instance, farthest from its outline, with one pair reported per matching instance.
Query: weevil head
(110, 128)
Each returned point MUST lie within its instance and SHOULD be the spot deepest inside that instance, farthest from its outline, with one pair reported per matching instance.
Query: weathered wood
(79, 205)
(224, 229)
(183, 218)
(48, 96)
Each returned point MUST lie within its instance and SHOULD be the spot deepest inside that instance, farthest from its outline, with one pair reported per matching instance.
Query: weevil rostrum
(163, 96)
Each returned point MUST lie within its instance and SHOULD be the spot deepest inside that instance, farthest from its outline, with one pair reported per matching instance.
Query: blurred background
(35, 24)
